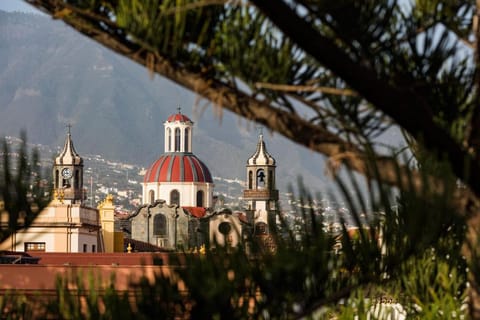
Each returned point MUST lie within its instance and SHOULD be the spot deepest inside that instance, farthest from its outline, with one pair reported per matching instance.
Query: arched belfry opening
(177, 139)
(260, 179)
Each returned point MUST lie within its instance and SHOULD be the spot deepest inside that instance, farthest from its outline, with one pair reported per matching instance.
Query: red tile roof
(181, 167)
(197, 212)
(178, 117)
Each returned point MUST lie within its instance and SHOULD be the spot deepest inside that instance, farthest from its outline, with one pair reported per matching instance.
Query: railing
(261, 194)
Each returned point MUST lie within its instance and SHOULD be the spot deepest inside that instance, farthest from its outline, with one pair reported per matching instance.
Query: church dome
(261, 156)
(178, 167)
(178, 117)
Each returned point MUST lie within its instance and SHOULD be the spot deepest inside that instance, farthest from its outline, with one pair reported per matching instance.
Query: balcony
(260, 194)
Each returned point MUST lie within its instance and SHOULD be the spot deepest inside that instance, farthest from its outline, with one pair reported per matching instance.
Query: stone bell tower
(261, 193)
(68, 174)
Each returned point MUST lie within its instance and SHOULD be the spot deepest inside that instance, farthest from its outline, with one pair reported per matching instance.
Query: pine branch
(409, 109)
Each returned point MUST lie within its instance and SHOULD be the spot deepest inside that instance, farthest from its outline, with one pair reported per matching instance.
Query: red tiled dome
(178, 117)
(178, 168)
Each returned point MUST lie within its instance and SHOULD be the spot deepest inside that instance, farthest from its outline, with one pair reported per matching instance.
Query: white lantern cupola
(178, 133)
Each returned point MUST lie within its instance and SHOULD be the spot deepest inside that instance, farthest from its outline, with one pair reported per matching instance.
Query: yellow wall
(107, 219)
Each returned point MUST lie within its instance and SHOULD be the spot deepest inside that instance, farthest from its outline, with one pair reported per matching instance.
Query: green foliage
(23, 192)
(391, 257)
(16, 306)
(409, 63)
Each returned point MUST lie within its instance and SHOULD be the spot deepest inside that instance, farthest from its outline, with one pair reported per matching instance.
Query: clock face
(66, 173)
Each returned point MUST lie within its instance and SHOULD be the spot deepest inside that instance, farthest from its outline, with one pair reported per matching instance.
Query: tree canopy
(329, 75)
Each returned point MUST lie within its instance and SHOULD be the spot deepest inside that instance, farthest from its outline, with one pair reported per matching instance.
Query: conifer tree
(333, 76)
(23, 191)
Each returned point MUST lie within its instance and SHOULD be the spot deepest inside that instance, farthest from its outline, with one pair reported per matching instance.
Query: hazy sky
(16, 5)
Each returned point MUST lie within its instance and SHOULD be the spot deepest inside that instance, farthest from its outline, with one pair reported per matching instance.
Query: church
(179, 210)
(66, 224)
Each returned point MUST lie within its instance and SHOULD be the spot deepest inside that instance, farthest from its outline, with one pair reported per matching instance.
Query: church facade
(178, 209)
(66, 224)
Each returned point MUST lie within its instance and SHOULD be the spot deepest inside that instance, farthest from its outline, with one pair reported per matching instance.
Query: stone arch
(174, 197)
(177, 139)
(151, 196)
(200, 198)
(169, 139)
(186, 139)
(261, 178)
(160, 225)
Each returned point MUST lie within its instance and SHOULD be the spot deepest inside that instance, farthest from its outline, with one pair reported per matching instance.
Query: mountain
(50, 75)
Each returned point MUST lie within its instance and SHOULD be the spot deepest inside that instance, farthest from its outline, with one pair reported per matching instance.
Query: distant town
(123, 181)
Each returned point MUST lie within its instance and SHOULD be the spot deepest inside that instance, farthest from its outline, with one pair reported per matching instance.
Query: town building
(66, 224)
(178, 209)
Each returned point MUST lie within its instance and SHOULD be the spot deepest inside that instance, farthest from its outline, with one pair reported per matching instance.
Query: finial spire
(260, 130)
(179, 109)
(69, 126)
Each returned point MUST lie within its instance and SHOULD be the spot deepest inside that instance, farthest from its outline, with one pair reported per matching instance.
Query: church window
(260, 228)
(66, 183)
(175, 197)
(187, 133)
(250, 175)
(35, 246)
(84, 247)
(162, 242)
(260, 178)
(200, 198)
(160, 225)
(151, 196)
(177, 139)
(56, 178)
(94, 248)
(169, 139)
(272, 205)
(224, 228)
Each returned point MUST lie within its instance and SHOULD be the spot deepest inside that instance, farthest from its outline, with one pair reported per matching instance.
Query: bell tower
(68, 174)
(261, 193)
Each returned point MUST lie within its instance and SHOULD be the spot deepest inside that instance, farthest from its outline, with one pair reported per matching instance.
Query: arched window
(175, 197)
(56, 178)
(260, 178)
(77, 179)
(177, 139)
(151, 196)
(270, 180)
(250, 182)
(261, 228)
(187, 134)
(169, 139)
(160, 225)
(200, 198)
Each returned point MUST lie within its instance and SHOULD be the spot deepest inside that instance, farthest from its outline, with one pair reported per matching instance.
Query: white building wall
(187, 190)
